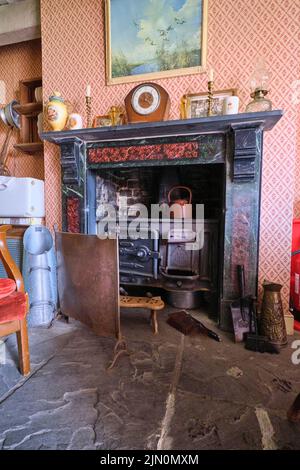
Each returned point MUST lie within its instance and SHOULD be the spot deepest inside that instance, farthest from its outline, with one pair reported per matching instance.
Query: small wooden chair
(14, 303)
(154, 304)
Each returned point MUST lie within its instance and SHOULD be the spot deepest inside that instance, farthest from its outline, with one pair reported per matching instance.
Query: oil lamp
(259, 85)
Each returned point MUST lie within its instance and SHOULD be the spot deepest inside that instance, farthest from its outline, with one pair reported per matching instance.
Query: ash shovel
(244, 317)
(240, 309)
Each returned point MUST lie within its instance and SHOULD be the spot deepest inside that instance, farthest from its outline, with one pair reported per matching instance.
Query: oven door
(139, 257)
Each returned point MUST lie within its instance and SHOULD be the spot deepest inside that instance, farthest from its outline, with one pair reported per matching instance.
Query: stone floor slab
(171, 392)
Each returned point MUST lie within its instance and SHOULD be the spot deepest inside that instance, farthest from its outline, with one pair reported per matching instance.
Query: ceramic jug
(56, 112)
(75, 121)
(272, 323)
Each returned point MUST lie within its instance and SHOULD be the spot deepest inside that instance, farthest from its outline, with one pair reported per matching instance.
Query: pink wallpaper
(238, 31)
(19, 62)
(297, 172)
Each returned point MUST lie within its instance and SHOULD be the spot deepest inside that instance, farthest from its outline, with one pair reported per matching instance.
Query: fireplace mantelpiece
(236, 141)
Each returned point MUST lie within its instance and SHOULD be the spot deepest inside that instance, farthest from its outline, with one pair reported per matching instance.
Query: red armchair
(14, 303)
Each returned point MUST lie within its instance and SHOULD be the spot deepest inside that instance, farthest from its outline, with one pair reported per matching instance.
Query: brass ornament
(272, 323)
(210, 98)
(88, 109)
(183, 107)
(116, 115)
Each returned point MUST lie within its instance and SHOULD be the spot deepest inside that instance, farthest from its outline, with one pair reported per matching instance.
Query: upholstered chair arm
(9, 264)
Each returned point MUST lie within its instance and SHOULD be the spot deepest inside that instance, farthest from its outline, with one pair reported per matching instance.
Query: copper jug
(272, 323)
(182, 208)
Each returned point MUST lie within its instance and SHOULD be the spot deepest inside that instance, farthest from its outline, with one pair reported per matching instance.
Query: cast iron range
(154, 262)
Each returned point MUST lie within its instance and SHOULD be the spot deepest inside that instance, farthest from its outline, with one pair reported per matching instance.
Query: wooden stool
(154, 304)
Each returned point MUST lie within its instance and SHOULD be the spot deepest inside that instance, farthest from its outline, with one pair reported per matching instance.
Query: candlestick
(210, 98)
(183, 103)
(88, 103)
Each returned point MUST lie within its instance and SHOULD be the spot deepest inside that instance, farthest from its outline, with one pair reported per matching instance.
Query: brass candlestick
(210, 98)
(183, 106)
(88, 104)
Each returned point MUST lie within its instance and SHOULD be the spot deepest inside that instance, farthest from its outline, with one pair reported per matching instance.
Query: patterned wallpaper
(19, 62)
(239, 31)
(297, 172)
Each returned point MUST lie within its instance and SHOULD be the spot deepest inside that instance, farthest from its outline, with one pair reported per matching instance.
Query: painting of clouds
(155, 36)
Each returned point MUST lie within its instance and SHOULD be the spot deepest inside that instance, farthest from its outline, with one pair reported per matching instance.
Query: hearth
(219, 158)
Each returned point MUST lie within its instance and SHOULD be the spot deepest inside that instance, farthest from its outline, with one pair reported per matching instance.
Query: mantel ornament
(56, 112)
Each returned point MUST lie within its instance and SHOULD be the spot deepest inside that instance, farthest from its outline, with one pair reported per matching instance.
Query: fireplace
(218, 158)
(158, 261)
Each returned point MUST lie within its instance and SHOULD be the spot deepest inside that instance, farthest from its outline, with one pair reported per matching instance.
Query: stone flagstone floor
(172, 392)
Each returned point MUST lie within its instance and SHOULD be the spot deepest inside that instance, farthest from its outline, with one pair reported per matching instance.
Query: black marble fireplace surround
(234, 143)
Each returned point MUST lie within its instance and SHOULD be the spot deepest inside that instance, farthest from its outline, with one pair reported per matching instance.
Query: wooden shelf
(32, 147)
(29, 109)
(32, 82)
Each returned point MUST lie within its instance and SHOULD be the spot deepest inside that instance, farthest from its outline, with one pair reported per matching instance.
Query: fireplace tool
(188, 325)
(240, 309)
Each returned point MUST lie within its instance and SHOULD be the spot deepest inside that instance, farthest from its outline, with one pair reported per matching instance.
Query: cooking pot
(183, 208)
(184, 299)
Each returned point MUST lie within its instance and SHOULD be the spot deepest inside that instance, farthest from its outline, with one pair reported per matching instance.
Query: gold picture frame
(106, 120)
(196, 104)
(120, 74)
(102, 121)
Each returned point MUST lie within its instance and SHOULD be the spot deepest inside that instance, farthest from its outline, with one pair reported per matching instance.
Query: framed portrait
(154, 39)
(197, 103)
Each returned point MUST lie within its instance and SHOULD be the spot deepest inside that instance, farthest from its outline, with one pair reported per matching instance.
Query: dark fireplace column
(235, 141)
(74, 174)
(242, 211)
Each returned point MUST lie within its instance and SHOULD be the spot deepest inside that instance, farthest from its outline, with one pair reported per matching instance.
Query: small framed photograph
(197, 103)
(106, 120)
(102, 121)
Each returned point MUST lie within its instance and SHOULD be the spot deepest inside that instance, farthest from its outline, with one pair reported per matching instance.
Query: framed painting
(150, 39)
(197, 103)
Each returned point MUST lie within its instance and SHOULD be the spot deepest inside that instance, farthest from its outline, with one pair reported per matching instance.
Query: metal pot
(182, 208)
(185, 299)
(9, 116)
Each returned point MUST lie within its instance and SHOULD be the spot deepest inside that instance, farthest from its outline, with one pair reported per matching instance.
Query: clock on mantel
(147, 102)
